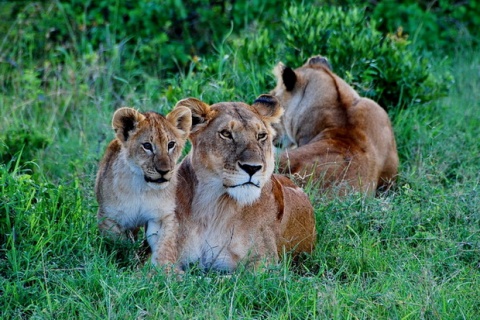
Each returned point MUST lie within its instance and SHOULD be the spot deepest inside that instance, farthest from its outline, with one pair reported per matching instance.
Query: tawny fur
(224, 220)
(137, 178)
(342, 142)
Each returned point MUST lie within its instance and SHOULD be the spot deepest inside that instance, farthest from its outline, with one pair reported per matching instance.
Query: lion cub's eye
(171, 145)
(226, 134)
(261, 136)
(147, 146)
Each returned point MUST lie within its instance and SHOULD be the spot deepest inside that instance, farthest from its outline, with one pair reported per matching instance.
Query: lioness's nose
(249, 168)
(162, 172)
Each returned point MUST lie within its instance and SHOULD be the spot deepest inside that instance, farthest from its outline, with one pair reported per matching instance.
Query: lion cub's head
(151, 143)
(232, 145)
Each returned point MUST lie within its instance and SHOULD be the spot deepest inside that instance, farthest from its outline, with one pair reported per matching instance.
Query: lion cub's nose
(249, 168)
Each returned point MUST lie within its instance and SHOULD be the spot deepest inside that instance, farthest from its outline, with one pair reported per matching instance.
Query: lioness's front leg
(162, 238)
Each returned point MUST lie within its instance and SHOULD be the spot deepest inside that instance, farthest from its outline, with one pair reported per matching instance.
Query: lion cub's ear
(125, 120)
(181, 118)
(285, 75)
(268, 107)
(200, 112)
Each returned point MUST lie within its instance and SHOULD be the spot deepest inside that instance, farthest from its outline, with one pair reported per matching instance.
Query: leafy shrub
(384, 68)
(158, 35)
(431, 24)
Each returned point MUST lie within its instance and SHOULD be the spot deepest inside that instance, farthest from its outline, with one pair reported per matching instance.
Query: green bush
(151, 39)
(157, 35)
(384, 68)
(431, 24)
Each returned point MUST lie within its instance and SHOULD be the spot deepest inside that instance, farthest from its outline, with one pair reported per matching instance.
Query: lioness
(231, 208)
(343, 141)
(136, 179)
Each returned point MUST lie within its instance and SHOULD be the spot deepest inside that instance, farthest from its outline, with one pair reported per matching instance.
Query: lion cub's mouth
(159, 180)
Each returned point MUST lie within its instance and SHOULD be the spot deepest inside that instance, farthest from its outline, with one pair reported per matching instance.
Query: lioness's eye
(171, 144)
(226, 134)
(262, 136)
(147, 146)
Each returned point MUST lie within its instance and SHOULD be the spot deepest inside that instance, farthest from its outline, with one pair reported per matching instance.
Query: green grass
(411, 254)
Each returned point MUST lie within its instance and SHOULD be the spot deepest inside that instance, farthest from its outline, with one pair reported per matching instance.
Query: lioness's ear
(200, 112)
(181, 118)
(124, 121)
(287, 74)
(268, 107)
(319, 61)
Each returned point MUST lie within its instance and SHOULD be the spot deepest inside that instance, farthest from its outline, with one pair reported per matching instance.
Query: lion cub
(137, 178)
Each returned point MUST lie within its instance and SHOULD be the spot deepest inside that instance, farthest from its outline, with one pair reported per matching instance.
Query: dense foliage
(435, 25)
(160, 37)
(382, 67)
(431, 24)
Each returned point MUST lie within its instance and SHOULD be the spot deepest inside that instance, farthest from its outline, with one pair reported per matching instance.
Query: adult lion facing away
(343, 142)
(231, 209)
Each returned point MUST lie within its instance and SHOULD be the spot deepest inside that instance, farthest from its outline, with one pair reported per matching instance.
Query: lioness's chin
(245, 194)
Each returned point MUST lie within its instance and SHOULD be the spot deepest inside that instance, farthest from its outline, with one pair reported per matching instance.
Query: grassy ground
(411, 254)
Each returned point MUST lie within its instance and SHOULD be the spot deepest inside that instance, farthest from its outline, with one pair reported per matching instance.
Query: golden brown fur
(231, 209)
(343, 141)
(137, 178)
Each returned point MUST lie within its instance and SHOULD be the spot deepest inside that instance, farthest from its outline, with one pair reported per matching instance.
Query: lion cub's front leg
(109, 227)
(162, 238)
